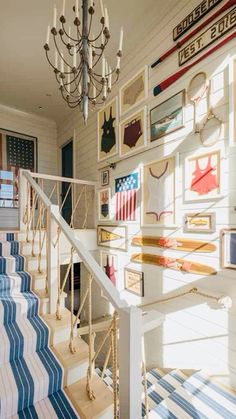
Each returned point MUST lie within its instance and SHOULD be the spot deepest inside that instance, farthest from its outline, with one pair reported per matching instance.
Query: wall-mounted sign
(214, 32)
(197, 14)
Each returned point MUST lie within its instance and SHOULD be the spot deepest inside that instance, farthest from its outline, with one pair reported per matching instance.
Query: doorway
(67, 171)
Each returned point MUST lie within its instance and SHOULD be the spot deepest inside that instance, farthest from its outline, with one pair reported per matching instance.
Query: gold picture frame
(200, 222)
(134, 92)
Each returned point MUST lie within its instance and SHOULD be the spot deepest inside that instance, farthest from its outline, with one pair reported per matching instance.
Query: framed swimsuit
(107, 130)
(133, 133)
(158, 193)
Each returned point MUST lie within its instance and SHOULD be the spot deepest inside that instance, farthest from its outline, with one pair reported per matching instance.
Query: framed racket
(210, 131)
(195, 92)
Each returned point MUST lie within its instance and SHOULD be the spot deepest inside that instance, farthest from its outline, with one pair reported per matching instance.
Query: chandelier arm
(60, 55)
(69, 37)
(90, 25)
(94, 84)
(72, 105)
(49, 61)
(99, 35)
(67, 97)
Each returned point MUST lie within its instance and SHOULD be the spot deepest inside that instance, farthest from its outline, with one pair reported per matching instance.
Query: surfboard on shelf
(174, 243)
(182, 265)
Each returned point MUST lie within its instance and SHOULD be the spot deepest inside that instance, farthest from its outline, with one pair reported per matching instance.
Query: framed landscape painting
(134, 91)
(168, 116)
(107, 130)
(133, 133)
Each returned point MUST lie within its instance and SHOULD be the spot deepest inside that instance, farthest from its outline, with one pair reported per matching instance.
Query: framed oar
(182, 265)
(175, 243)
(179, 44)
(176, 76)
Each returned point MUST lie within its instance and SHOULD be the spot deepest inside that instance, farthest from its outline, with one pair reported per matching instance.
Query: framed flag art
(126, 188)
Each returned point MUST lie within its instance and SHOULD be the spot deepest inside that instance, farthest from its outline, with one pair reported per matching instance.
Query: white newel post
(130, 359)
(23, 197)
(52, 261)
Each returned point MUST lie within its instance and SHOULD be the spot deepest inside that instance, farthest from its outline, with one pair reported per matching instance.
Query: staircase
(174, 395)
(31, 378)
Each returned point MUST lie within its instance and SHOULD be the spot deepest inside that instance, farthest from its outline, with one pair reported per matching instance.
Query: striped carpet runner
(176, 396)
(31, 378)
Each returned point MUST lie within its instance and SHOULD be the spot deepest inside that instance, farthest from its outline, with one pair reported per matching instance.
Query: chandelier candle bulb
(94, 91)
(102, 39)
(106, 19)
(62, 63)
(109, 79)
(118, 63)
(63, 7)
(55, 17)
(104, 91)
(74, 58)
(102, 8)
(90, 57)
(103, 68)
(77, 8)
(48, 35)
(69, 33)
(121, 39)
(56, 59)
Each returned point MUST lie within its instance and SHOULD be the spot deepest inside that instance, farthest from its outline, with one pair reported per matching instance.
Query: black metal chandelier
(80, 83)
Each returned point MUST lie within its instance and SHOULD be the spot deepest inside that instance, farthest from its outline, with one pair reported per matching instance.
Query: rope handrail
(92, 266)
(62, 179)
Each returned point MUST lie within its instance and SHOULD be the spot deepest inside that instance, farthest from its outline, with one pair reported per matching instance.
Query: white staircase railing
(39, 216)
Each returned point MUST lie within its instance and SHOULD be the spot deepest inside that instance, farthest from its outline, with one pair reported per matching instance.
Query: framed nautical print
(134, 282)
(112, 236)
(134, 91)
(104, 204)
(107, 130)
(105, 175)
(158, 193)
(200, 223)
(202, 176)
(228, 248)
(133, 132)
(126, 189)
(168, 116)
(109, 264)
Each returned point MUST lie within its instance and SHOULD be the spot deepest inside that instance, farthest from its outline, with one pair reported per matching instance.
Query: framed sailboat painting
(107, 130)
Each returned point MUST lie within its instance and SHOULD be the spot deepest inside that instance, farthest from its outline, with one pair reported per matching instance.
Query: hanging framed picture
(105, 177)
(112, 236)
(104, 204)
(134, 281)
(126, 188)
(134, 92)
(133, 133)
(158, 193)
(202, 176)
(228, 248)
(107, 130)
(109, 264)
(200, 223)
(168, 116)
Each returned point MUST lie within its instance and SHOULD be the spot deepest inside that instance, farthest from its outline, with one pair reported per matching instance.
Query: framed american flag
(17, 151)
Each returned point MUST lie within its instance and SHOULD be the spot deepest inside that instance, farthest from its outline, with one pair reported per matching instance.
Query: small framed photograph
(228, 248)
(104, 204)
(133, 133)
(112, 236)
(200, 223)
(105, 177)
(134, 91)
(168, 116)
(134, 282)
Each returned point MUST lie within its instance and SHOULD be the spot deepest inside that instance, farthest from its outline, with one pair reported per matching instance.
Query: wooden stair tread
(55, 324)
(86, 408)
(65, 356)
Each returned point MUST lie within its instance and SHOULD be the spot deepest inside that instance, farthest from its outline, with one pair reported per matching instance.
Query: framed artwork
(105, 177)
(126, 189)
(109, 264)
(200, 223)
(133, 132)
(134, 91)
(158, 193)
(134, 281)
(17, 151)
(168, 116)
(202, 176)
(104, 204)
(228, 248)
(107, 130)
(112, 236)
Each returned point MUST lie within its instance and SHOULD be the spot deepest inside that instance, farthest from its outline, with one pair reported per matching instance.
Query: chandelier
(75, 61)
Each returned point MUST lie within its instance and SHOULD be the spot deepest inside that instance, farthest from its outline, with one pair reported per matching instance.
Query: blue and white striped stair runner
(31, 378)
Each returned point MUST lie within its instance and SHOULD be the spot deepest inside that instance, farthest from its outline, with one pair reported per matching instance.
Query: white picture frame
(124, 109)
(112, 106)
(139, 115)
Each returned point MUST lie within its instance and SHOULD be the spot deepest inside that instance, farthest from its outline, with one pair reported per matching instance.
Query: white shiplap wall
(46, 132)
(195, 334)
